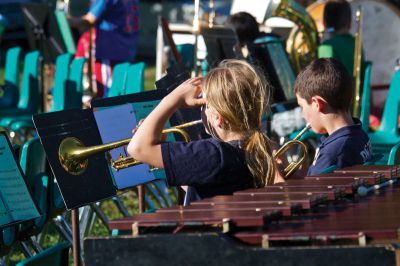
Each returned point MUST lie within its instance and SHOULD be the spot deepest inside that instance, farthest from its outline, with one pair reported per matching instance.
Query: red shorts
(103, 70)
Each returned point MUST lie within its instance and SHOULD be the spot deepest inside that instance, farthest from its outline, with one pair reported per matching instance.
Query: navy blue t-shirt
(209, 167)
(346, 146)
(117, 29)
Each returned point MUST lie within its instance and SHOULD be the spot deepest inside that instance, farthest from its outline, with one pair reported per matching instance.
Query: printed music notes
(116, 123)
(16, 202)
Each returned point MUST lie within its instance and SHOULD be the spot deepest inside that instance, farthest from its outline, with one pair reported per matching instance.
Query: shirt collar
(341, 132)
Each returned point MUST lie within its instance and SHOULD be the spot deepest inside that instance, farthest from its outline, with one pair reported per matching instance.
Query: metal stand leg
(25, 249)
(76, 248)
(121, 207)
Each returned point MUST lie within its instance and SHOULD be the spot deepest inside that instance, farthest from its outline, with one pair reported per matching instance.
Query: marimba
(269, 224)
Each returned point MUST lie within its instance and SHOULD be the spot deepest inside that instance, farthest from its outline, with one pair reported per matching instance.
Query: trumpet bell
(293, 166)
(68, 160)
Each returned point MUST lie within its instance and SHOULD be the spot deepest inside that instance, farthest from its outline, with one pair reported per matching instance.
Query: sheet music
(143, 109)
(16, 203)
(5, 217)
(116, 123)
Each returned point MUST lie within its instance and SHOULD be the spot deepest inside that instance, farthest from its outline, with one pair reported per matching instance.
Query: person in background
(117, 31)
(338, 41)
(247, 31)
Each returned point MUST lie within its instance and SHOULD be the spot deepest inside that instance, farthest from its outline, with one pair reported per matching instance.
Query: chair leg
(102, 216)
(3, 262)
(36, 244)
(121, 207)
(63, 227)
(85, 217)
(25, 249)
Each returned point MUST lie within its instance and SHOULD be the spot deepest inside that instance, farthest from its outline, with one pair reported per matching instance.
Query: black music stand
(221, 44)
(43, 30)
(269, 54)
(176, 75)
(95, 183)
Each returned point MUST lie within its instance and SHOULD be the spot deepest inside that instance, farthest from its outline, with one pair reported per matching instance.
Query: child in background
(238, 156)
(337, 22)
(324, 92)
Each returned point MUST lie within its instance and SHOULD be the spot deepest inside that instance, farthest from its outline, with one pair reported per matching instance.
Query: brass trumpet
(73, 155)
(293, 166)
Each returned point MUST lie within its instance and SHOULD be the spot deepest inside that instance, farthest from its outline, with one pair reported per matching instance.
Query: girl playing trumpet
(238, 156)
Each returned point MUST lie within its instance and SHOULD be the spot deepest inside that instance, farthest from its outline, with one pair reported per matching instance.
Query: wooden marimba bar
(323, 207)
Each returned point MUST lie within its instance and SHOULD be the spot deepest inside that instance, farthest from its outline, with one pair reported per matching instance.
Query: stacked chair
(29, 99)
(26, 235)
(67, 90)
(127, 78)
(67, 93)
(10, 88)
(387, 135)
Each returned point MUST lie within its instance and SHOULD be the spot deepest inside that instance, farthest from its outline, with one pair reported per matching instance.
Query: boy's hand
(187, 94)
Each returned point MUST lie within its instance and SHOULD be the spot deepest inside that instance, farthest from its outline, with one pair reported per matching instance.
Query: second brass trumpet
(293, 166)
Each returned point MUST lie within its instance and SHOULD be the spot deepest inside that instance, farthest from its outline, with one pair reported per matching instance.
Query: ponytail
(259, 159)
(240, 93)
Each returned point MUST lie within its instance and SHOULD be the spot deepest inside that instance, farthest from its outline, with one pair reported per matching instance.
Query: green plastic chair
(11, 79)
(8, 237)
(135, 78)
(118, 80)
(67, 90)
(387, 135)
(29, 100)
(65, 29)
(74, 86)
(33, 163)
(11, 68)
(186, 50)
(366, 98)
(60, 79)
(394, 155)
(30, 96)
(54, 256)
(68, 87)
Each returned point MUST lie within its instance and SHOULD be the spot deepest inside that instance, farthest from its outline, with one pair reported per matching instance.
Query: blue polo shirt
(346, 146)
(209, 167)
(117, 29)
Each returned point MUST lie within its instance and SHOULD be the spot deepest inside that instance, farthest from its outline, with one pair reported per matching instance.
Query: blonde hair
(240, 94)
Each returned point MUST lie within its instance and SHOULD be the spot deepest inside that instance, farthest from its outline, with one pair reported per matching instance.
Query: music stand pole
(76, 249)
(196, 27)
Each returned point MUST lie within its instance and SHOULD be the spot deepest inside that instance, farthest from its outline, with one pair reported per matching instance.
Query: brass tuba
(73, 155)
(303, 41)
